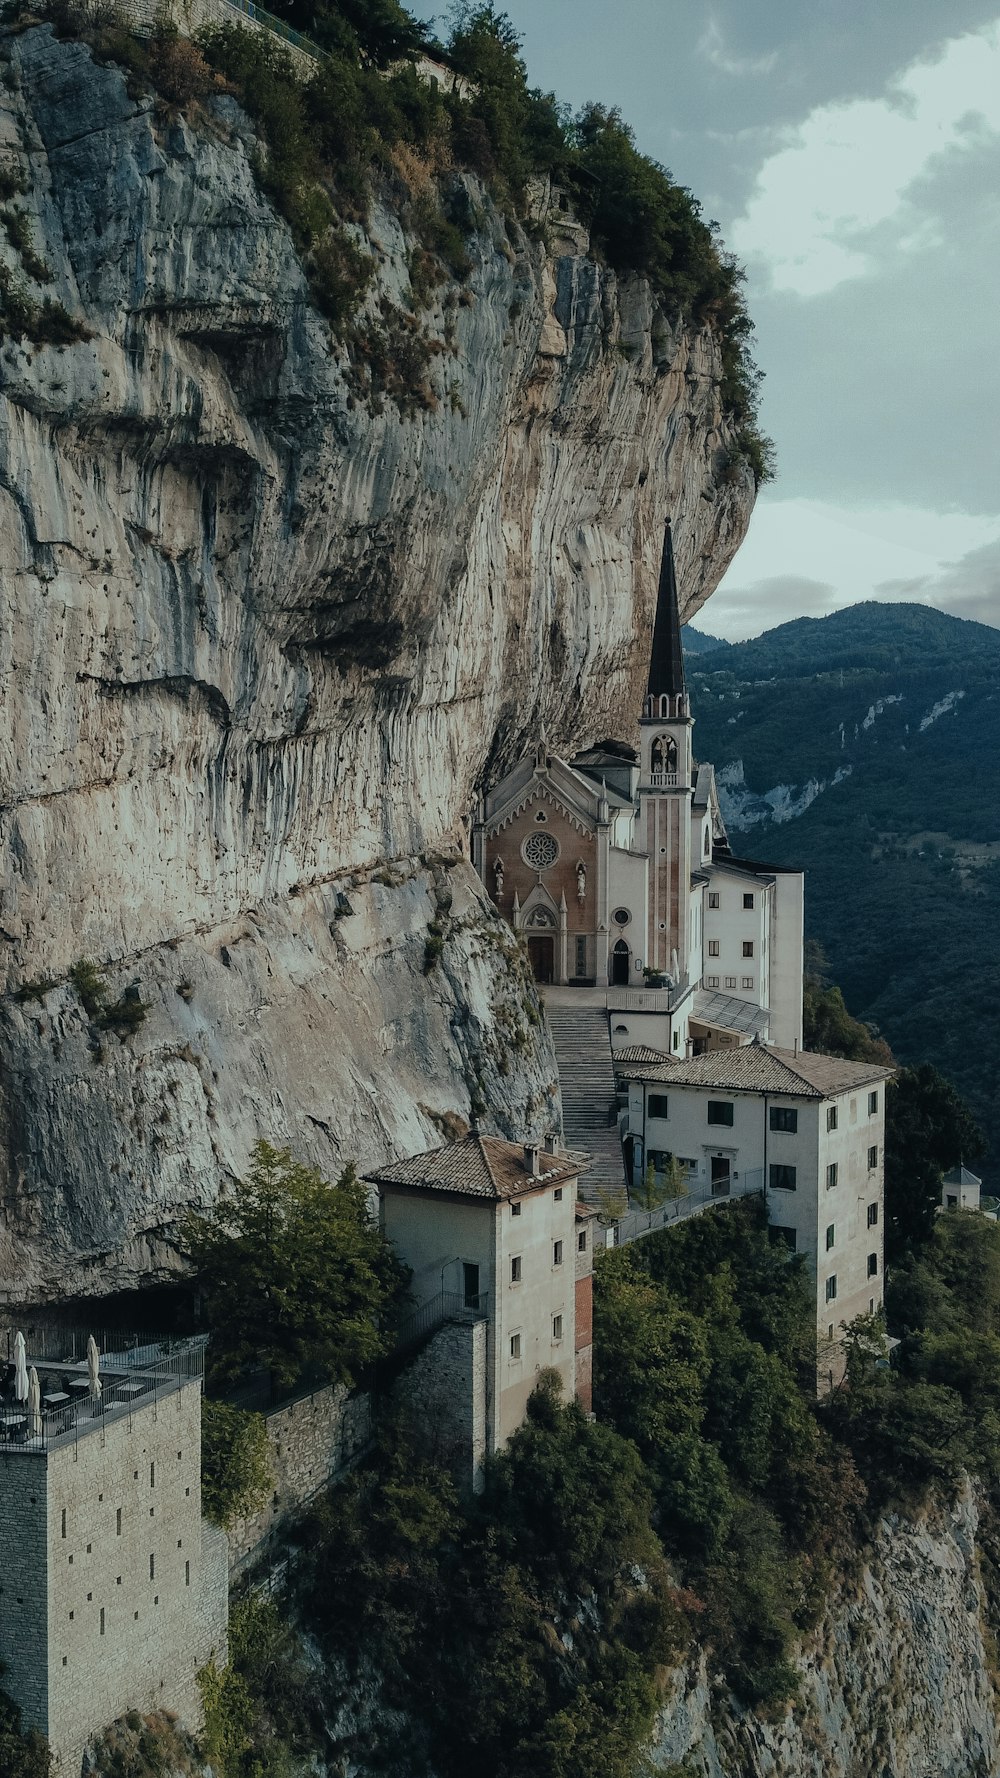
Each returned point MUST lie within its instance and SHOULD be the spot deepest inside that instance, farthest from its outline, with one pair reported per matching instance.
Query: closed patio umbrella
(93, 1369)
(20, 1368)
(34, 1405)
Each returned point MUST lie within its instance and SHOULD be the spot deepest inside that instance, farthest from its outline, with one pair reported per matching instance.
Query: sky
(850, 151)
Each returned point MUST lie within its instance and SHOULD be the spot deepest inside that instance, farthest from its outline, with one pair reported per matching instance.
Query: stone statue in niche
(498, 879)
(581, 881)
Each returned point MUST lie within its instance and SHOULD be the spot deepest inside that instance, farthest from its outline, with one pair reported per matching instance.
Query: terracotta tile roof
(480, 1167)
(640, 1052)
(755, 1068)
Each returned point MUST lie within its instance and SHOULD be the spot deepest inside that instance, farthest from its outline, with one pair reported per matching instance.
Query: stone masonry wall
(129, 1622)
(311, 1442)
(442, 1394)
(24, 1581)
(191, 16)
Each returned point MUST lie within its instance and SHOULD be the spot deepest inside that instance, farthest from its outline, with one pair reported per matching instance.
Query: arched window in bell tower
(671, 754)
(656, 756)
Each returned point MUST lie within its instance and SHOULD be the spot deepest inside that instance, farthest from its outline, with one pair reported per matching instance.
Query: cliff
(265, 642)
(900, 1676)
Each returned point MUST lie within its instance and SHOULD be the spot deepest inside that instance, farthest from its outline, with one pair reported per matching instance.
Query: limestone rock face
(897, 1679)
(263, 644)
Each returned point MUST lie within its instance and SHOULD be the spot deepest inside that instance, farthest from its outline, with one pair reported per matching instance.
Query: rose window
(540, 850)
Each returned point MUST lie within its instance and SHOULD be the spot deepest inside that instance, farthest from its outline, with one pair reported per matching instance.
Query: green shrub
(23, 1754)
(235, 1462)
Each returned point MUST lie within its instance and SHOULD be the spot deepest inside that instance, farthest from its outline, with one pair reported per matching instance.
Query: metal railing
(645, 999)
(447, 1305)
(135, 1372)
(700, 1195)
(667, 780)
(260, 16)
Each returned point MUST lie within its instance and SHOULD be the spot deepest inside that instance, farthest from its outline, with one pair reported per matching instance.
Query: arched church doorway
(541, 951)
(620, 965)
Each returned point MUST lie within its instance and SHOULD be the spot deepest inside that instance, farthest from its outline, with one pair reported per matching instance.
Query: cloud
(805, 558)
(747, 608)
(968, 588)
(840, 194)
(712, 45)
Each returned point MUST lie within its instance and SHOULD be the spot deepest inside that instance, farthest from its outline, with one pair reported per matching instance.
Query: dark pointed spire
(666, 660)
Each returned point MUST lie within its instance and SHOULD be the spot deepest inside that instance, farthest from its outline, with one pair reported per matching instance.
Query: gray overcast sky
(851, 152)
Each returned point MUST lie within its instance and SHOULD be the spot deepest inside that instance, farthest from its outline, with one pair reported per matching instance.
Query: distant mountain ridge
(866, 745)
(699, 642)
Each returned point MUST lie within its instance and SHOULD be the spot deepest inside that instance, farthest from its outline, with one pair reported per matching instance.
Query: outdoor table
(55, 1399)
(131, 1388)
(10, 1424)
(79, 1383)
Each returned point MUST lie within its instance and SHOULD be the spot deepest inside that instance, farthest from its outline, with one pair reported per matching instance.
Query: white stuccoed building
(808, 1132)
(491, 1233)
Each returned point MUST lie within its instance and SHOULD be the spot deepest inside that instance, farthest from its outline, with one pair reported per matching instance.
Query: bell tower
(665, 786)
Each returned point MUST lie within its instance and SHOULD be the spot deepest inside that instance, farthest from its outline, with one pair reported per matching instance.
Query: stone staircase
(587, 1082)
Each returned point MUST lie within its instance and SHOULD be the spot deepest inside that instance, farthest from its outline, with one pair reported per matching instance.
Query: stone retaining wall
(311, 1442)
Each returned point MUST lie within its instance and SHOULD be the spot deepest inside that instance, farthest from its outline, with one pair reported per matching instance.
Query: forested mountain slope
(866, 745)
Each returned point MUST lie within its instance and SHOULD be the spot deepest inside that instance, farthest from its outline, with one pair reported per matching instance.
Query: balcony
(667, 781)
(661, 1000)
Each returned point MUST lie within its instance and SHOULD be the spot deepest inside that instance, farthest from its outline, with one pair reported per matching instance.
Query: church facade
(616, 868)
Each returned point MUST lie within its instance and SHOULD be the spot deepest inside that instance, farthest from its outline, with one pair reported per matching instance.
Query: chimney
(531, 1158)
(551, 1143)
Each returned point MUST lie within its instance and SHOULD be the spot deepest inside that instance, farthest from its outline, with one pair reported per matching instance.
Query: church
(616, 867)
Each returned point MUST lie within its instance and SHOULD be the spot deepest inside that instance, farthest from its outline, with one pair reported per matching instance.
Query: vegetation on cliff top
(365, 122)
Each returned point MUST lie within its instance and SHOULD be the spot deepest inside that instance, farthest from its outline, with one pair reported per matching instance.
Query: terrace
(135, 1371)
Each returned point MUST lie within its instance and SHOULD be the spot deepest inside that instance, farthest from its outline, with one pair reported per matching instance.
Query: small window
(557, 1253)
(64, 1521)
(557, 1321)
(748, 947)
(515, 1209)
(831, 1289)
(748, 981)
(713, 947)
(748, 901)
(187, 1574)
(152, 1475)
(557, 1195)
(118, 1522)
(830, 1236)
(831, 1117)
(829, 1331)
(720, 1111)
(711, 981)
(677, 1040)
(872, 1104)
(781, 1178)
(730, 981)
(873, 1265)
(831, 1176)
(515, 1345)
(152, 1565)
(102, 1620)
(657, 1105)
(872, 1159)
(872, 1215)
(515, 1269)
(713, 899)
(581, 1241)
(784, 1117)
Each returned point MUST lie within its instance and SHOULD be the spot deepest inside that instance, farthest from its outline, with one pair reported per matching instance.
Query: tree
(648, 1192)
(928, 1128)
(295, 1276)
